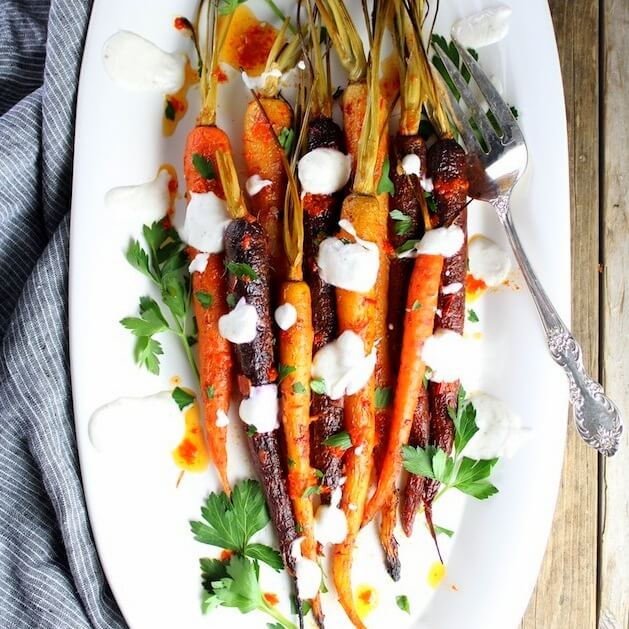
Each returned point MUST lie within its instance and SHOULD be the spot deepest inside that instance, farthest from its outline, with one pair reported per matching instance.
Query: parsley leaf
(205, 299)
(407, 246)
(251, 430)
(383, 397)
(210, 391)
(231, 300)
(318, 385)
(403, 222)
(472, 316)
(203, 166)
(402, 602)
(418, 460)
(313, 489)
(182, 398)
(283, 371)
(385, 184)
(139, 259)
(229, 6)
(146, 352)
(339, 440)
(416, 305)
(286, 139)
(298, 387)
(169, 110)
(440, 530)
(241, 270)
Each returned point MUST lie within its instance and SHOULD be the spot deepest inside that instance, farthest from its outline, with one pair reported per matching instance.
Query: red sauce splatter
(474, 286)
(271, 598)
(221, 77)
(225, 555)
(187, 451)
(172, 186)
(365, 596)
(182, 24)
(255, 45)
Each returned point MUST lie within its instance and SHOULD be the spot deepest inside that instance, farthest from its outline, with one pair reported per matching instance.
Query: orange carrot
(263, 158)
(215, 358)
(421, 304)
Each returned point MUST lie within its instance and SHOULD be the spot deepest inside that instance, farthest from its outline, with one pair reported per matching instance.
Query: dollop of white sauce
(141, 204)
(286, 316)
(324, 171)
(261, 408)
(154, 420)
(205, 222)
(483, 28)
(343, 365)
(450, 289)
(500, 432)
(427, 184)
(258, 82)
(330, 521)
(488, 261)
(411, 164)
(199, 263)
(443, 241)
(445, 353)
(239, 325)
(135, 63)
(255, 184)
(307, 572)
(349, 265)
(222, 420)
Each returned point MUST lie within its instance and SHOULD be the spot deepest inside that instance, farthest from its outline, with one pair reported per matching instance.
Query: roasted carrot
(357, 311)
(215, 358)
(421, 304)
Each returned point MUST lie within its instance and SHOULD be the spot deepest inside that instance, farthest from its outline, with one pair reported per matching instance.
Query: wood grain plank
(566, 592)
(613, 561)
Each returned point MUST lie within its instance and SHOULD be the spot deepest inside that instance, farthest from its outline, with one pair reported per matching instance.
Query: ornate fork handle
(596, 417)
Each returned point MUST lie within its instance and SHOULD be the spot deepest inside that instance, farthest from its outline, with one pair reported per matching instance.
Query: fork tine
(460, 119)
(497, 105)
(487, 131)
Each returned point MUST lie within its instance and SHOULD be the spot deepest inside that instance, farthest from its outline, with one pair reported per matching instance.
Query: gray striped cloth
(50, 576)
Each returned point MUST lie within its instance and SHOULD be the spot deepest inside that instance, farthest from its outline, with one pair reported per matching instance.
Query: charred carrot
(421, 304)
(215, 358)
(357, 311)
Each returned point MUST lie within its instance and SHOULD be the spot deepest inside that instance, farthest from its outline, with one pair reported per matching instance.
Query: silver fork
(494, 169)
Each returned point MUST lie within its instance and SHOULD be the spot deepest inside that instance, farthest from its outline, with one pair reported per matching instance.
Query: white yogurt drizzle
(487, 261)
(154, 420)
(205, 222)
(140, 204)
(239, 325)
(483, 28)
(324, 171)
(500, 432)
(330, 521)
(307, 572)
(411, 165)
(199, 263)
(261, 408)
(445, 353)
(343, 365)
(286, 316)
(255, 184)
(450, 289)
(134, 63)
(349, 265)
(222, 420)
(443, 241)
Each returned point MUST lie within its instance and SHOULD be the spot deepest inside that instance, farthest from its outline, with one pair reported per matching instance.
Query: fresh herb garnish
(205, 299)
(251, 430)
(430, 202)
(164, 263)
(416, 305)
(403, 222)
(203, 166)
(241, 270)
(340, 440)
(472, 316)
(298, 387)
(231, 300)
(169, 110)
(318, 385)
(402, 602)
(385, 184)
(283, 371)
(227, 7)
(440, 530)
(231, 522)
(286, 138)
(182, 398)
(457, 471)
(313, 489)
(383, 397)
(407, 246)
(210, 390)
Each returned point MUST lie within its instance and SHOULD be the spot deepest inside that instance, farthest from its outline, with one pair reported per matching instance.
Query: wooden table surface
(584, 581)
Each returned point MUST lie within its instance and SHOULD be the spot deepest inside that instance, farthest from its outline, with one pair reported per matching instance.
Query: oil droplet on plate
(175, 381)
(474, 288)
(366, 599)
(436, 574)
(191, 454)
